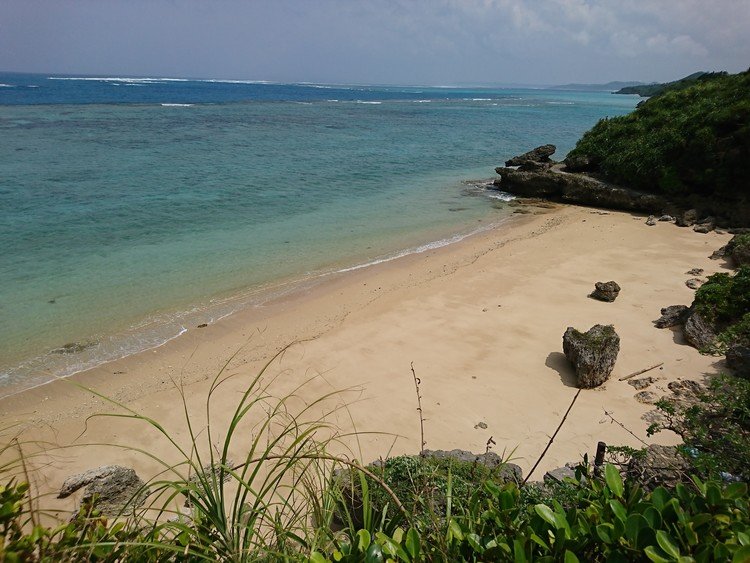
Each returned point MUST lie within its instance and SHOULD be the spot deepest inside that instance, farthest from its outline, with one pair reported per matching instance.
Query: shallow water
(131, 210)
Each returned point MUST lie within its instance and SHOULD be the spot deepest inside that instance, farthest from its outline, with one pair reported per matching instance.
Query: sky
(430, 42)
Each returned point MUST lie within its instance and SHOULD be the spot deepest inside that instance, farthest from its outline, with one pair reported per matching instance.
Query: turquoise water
(126, 222)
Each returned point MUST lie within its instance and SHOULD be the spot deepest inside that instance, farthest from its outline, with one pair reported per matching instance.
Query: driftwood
(641, 371)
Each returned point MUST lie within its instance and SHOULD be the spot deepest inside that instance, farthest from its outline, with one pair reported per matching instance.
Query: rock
(658, 466)
(539, 154)
(687, 219)
(719, 254)
(73, 347)
(646, 397)
(672, 316)
(202, 325)
(606, 291)
(703, 229)
(593, 353)
(666, 218)
(698, 332)
(579, 163)
(508, 472)
(738, 249)
(642, 382)
(695, 272)
(116, 488)
(651, 221)
(480, 425)
(685, 392)
(575, 188)
(560, 474)
(738, 360)
(694, 283)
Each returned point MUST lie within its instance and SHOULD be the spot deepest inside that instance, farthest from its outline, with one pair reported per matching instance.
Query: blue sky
(378, 41)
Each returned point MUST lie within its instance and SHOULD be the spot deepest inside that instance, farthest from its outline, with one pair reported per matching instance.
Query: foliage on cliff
(694, 141)
(659, 88)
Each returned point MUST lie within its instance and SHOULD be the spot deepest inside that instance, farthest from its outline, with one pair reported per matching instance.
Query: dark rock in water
(605, 291)
(73, 347)
(651, 221)
(687, 219)
(738, 360)
(672, 316)
(666, 218)
(694, 283)
(738, 249)
(593, 353)
(698, 332)
(575, 188)
(116, 488)
(579, 163)
(539, 154)
(642, 383)
(660, 466)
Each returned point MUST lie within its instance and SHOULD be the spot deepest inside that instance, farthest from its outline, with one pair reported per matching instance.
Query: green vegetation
(683, 143)
(724, 301)
(657, 89)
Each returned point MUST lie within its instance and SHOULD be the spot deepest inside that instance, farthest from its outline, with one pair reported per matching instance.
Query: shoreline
(482, 320)
(216, 309)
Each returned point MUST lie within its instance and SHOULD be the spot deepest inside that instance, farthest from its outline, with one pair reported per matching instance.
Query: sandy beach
(481, 320)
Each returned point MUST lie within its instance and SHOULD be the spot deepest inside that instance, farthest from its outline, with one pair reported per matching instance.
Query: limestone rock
(738, 249)
(695, 272)
(660, 466)
(647, 397)
(651, 221)
(509, 471)
(578, 163)
(698, 331)
(666, 218)
(672, 316)
(694, 283)
(642, 382)
(116, 488)
(738, 360)
(593, 353)
(687, 219)
(560, 474)
(539, 154)
(606, 291)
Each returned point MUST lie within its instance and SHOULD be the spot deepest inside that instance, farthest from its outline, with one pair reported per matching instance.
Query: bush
(690, 141)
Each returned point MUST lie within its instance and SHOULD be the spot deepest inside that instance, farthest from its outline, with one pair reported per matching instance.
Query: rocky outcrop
(605, 291)
(578, 163)
(538, 155)
(674, 315)
(738, 250)
(698, 331)
(592, 353)
(508, 471)
(554, 183)
(687, 219)
(738, 360)
(113, 488)
(658, 466)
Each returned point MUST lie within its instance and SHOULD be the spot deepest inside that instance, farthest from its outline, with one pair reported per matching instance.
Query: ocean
(134, 209)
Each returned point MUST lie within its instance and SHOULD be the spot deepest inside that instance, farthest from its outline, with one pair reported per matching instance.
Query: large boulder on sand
(592, 353)
(738, 249)
(539, 154)
(606, 291)
(674, 315)
(112, 487)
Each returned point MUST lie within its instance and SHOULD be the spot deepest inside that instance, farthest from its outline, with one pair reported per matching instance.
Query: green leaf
(618, 509)
(316, 557)
(743, 538)
(633, 525)
(363, 540)
(455, 530)
(413, 543)
(659, 498)
(546, 513)
(570, 557)
(742, 555)
(667, 544)
(605, 532)
(736, 490)
(653, 554)
(613, 479)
